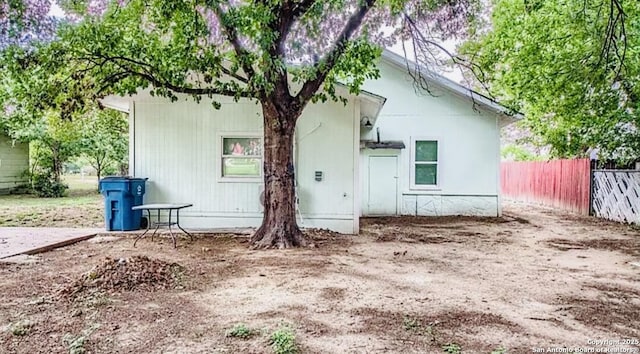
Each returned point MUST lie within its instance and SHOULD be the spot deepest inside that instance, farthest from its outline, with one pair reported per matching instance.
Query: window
(241, 157)
(424, 172)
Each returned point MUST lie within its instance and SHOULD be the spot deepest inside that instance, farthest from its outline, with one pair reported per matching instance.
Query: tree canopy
(572, 67)
(23, 22)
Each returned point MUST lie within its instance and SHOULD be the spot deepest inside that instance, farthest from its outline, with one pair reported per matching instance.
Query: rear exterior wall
(468, 144)
(178, 147)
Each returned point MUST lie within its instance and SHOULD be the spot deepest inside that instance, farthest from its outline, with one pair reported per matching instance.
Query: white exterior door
(383, 185)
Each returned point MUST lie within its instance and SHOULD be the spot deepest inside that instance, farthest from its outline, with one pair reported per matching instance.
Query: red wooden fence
(563, 184)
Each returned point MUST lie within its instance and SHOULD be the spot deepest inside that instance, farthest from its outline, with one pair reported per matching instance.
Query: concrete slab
(32, 240)
(104, 239)
(21, 259)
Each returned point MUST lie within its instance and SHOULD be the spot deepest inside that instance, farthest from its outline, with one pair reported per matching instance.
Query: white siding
(325, 142)
(14, 161)
(468, 146)
(176, 145)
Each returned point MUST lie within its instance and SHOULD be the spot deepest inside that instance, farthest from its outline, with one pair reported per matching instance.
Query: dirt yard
(535, 278)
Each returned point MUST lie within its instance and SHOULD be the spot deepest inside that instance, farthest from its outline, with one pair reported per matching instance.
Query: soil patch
(630, 246)
(333, 293)
(433, 220)
(433, 331)
(614, 307)
(374, 320)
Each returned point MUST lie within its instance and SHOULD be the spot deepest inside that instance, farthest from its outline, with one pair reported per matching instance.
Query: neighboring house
(437, 155)
(14, 161)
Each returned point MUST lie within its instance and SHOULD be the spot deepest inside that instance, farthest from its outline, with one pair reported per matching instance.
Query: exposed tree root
(279, 237)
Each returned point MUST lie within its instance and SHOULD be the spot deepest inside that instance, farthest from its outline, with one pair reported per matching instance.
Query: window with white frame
(241, 157)
(424, 163)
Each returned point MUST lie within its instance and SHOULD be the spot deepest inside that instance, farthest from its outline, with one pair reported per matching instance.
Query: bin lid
(127, 178)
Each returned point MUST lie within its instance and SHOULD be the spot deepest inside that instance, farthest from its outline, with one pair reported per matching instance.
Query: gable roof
(507, 115)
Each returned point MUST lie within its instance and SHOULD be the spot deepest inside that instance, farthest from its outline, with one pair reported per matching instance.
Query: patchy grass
(500, 350)
(82, 207)
(76, 344)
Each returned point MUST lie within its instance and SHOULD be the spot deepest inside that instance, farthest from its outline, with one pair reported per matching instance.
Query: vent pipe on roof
(378, 133)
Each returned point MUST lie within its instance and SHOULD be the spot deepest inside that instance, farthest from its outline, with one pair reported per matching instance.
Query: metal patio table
(160, 207)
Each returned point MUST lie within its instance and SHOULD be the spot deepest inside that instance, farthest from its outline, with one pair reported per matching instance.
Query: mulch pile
(127, 274)
(319, 237)
(321, 234)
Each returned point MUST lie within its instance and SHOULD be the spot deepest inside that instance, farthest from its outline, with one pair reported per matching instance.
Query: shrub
(283, 341)
(240, 331)
(452, 348)
(47, 186)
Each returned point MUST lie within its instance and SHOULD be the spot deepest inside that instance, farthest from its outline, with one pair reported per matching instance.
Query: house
(14, 162)
(387, 151)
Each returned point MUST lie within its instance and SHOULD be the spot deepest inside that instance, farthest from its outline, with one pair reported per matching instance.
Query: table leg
(173, 237)
(180, 227)
(145, 231)
(157, 224)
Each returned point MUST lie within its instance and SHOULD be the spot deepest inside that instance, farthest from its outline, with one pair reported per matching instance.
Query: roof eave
(455, 88)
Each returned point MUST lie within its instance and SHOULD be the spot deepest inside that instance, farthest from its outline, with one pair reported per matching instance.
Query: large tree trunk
(279, 227)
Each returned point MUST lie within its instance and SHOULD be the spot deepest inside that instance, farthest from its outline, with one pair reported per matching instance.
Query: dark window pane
(427, 151)
(239, 166)
(426, 174)
(242, 146)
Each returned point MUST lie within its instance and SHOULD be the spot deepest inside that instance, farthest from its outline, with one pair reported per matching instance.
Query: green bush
(47, 186)
(452, 348)
(110, 170)
(283, 341)
(240, 331)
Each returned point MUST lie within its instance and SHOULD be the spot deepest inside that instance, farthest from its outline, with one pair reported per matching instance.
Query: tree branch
(615, 38)
(232, 37)
(324, 66)
(234, 75)
(421, 43)
(302, 7)
(147, 72)
(205, 91)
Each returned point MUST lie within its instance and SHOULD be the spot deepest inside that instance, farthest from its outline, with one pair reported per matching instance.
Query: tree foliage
(24, 22)
(104, 140)
(573, 68)
(53, 143)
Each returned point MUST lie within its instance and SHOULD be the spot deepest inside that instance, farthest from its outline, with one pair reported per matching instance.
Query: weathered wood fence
(562, 184)
(616, 195)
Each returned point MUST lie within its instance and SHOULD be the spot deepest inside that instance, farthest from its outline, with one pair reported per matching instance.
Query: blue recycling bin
(120, 195)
